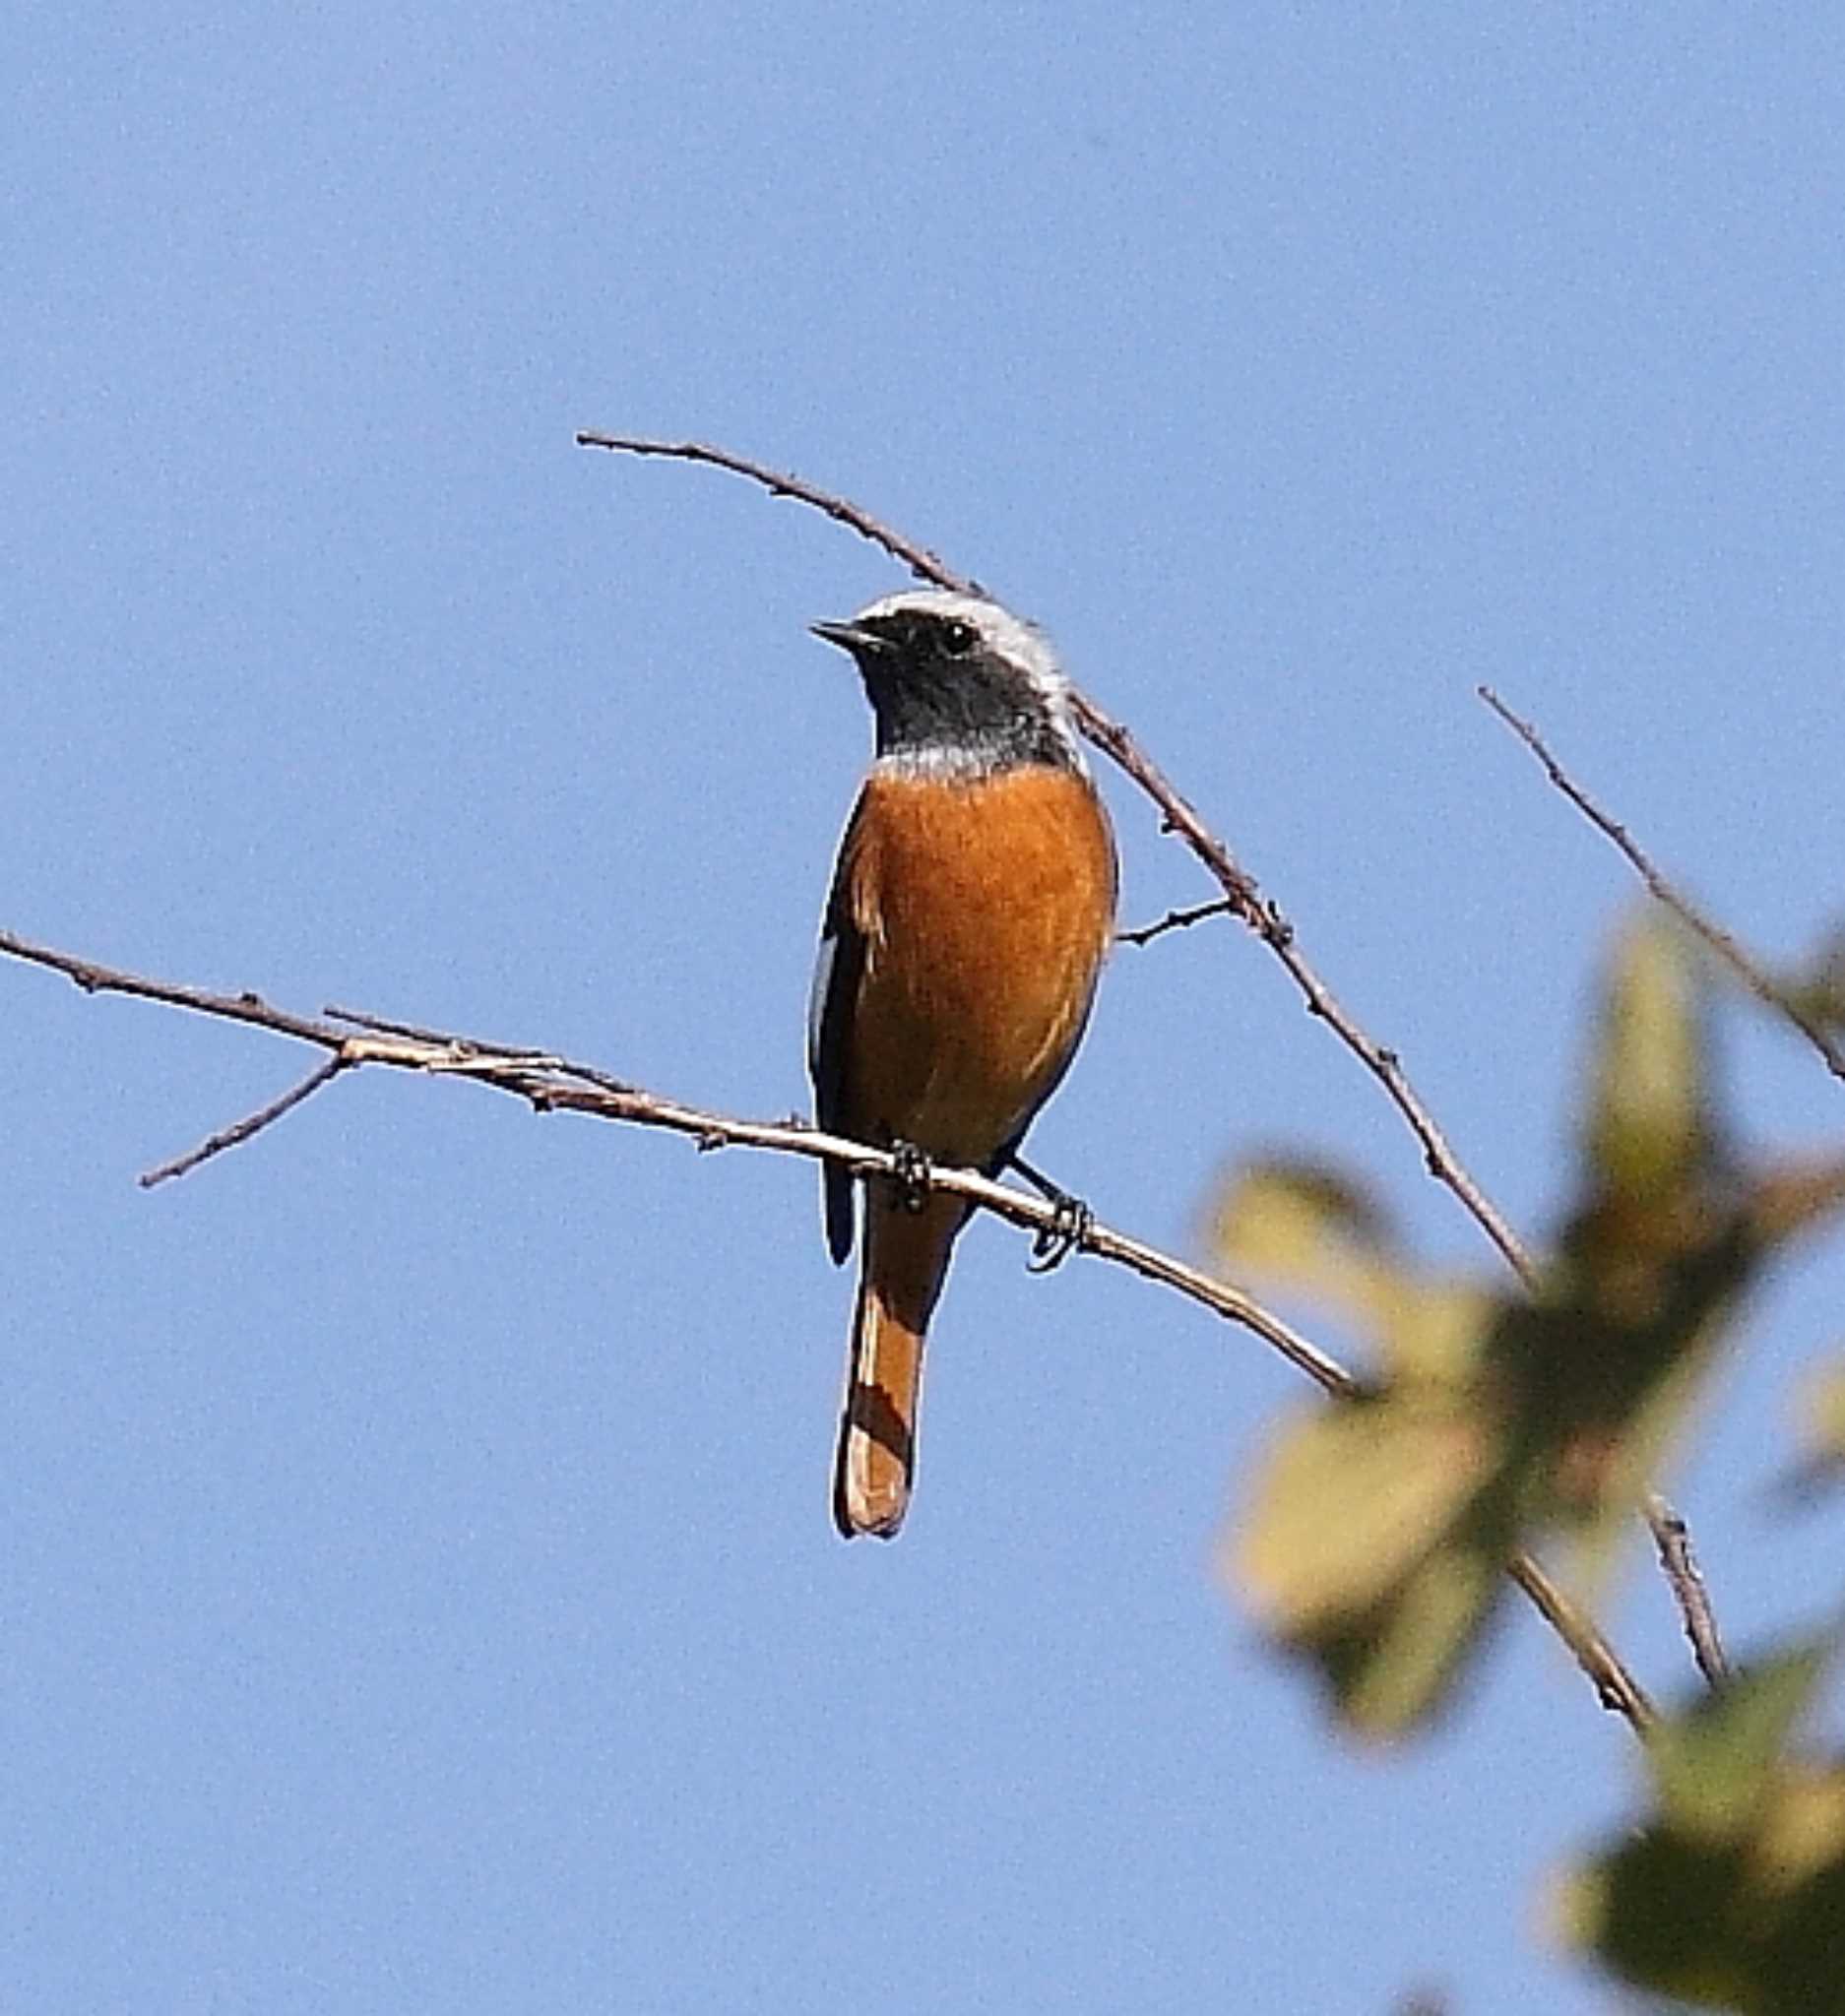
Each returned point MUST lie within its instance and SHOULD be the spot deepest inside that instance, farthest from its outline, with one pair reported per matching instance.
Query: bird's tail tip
(875, 1467)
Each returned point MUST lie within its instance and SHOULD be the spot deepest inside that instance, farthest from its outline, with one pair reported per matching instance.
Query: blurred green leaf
(1788, 1198)
(1823, 1426)
(1351, 1500)
(1614, 1355)
(1375, 1545)
(1821, 1433)
(1717, 1764)
(1820, 991)
(1648, 1129)
(1670, 1230)
(1438, 1331)
(1379, 1530)
(1733, 1895)
(1393, 1669)
(1302, 1225)
(1310, 1228)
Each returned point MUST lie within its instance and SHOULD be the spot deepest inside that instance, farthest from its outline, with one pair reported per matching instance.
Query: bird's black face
(946, 694)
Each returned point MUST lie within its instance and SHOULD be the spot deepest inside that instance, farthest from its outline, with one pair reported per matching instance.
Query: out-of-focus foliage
(1821, 1463)
(1382, 1523)
(1730, 1894)
(1820, 990)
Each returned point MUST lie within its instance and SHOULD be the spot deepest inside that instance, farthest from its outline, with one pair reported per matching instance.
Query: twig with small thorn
(1175, 920)
(1760, 983)
(1673, 1539)
(240, 1131)
(923, 564)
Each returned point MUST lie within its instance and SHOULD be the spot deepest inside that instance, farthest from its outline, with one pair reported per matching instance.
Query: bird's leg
(1072, 1225)
(910, 1174)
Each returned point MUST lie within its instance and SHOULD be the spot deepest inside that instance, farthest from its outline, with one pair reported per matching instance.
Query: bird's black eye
(958, 638)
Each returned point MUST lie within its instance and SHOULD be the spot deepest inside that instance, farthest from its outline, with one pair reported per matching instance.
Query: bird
(971, 909)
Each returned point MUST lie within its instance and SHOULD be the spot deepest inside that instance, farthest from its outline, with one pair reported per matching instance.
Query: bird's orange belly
(987, 909)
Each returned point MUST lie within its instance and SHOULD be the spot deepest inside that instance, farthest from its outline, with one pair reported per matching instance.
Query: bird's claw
(1070, 1225)
(909, 1173)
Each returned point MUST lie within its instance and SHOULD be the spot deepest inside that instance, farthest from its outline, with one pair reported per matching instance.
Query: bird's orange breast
(986, 906)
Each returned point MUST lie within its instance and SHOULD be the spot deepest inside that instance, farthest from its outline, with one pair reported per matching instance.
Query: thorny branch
(549, 1083)
(1762, 985)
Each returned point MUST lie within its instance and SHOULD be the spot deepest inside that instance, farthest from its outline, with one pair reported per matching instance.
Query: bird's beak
(848, 636)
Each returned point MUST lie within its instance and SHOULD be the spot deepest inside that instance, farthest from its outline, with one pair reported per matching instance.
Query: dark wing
(838, 970)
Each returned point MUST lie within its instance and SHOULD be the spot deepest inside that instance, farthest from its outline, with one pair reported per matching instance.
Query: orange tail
(906, 1257)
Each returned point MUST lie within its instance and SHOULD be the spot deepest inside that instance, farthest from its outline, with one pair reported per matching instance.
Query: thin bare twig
(1265, 918)
(1175, 920)
(1760, 983)
(382, 1026)
(107, 980)
(240, 1131)
(1673, 1539)
(474, 1052)
(1615, 1686)
(549, 1083)
(923, 564)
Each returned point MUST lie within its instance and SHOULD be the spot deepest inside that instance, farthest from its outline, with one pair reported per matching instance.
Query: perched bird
(972, 905)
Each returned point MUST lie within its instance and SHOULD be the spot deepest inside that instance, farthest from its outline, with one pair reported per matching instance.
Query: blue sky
(419, 1590)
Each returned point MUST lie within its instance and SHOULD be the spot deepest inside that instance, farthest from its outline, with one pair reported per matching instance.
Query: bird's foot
(1063, 1236)
(910, 1174)
(1071, 1223)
